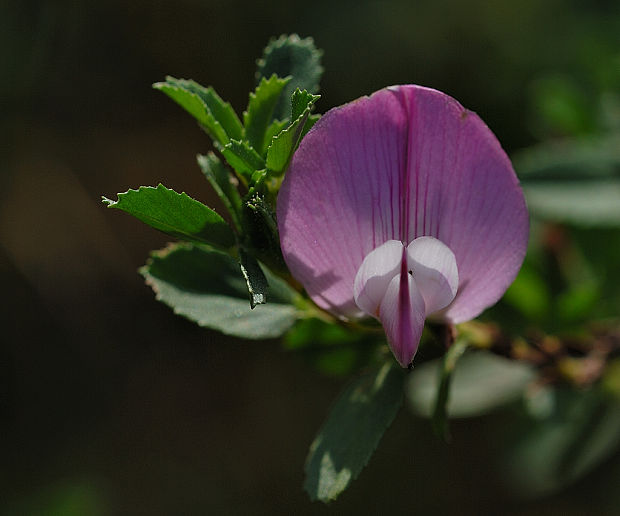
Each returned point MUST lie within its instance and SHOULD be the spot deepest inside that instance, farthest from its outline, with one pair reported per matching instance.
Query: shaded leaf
(579, 429)
(223, 183)
(481, 383)
(254, 278)
(332, 348)
(261, 231)
(259, 113)
(175, 214)
(352, 431)
(208, 288)
(295, 57)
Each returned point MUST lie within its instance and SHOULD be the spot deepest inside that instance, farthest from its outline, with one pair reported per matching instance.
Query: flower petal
(340, 198)
(375, 274)
(434, 271)
(464, 192)
(402, 315)
(403, 163)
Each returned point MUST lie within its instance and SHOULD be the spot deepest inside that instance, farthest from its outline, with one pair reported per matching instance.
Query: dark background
(110, 404)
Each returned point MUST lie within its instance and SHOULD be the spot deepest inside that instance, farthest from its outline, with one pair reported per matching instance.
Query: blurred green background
(110, 404)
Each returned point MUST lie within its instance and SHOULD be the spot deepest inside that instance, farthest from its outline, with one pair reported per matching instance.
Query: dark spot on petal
(464, 114)
(411, 272)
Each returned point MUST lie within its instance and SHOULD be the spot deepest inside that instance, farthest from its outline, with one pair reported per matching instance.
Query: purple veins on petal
(402, 165)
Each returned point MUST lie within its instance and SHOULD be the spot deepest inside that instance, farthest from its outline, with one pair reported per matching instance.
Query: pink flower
(402, 206)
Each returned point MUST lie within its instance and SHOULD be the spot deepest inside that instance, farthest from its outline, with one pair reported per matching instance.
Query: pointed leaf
(254, 277)
(300, 101)
(243, 158)
(291, 56)
(176, 214)
(223, 182)
(352, 431)
(284, 144)
(208, 288)
(216, 116)
(259, 114)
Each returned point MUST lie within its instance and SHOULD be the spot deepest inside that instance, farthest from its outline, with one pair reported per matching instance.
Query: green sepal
(352, 431)
(259, 114)
(223, 182)
(243, 159)
(175, 214)
(214, 115)
(207, 287)
(289, 55)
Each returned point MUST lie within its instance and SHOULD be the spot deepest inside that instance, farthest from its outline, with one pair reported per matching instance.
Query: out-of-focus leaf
(578, 302)
(575, 181)
(481, 383)
(592, 203)
(560, 106)
(223, 183)
(62, 499)
(581, 429)
(352, 431)
(529, 294)
(208, 288)
(294, 57)
(176, 214)
(259, 114)
(205, 105)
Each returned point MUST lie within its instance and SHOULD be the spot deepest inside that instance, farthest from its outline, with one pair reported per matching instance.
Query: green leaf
(254, 277)
(301, 101)
(352, 431)
(481, 383)
(259, 114)
(204, 104)
(575, 181)
(176, 214)
(284, 144)
(243, 159)
(294, 57)
(577, 431)
(208, 288)
(224, 185)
